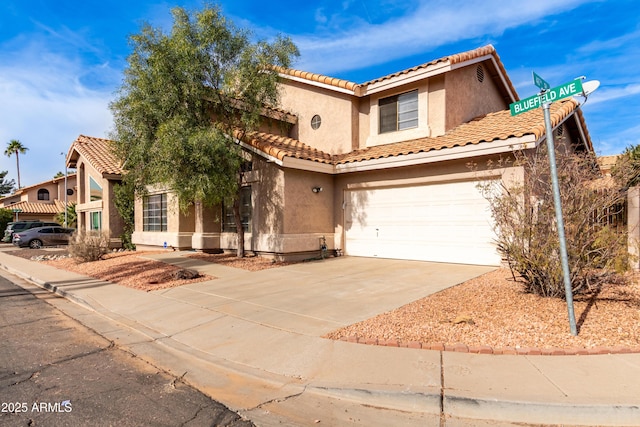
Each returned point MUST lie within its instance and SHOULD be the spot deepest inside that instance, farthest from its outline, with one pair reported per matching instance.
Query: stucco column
(206, 236)
(633, 226)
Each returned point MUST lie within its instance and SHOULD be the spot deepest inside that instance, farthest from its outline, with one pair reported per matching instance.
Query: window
(316, 121)
(154, 213)
(96, 220)
(228, 220)
(95, 190)
(399, 112)
(43, 194)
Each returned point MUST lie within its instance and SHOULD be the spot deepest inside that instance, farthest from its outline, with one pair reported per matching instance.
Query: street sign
(540, 82)
(568, 89)
(525, 105)
(555, 94)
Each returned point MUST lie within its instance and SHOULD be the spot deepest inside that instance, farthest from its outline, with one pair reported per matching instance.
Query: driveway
(314, 298)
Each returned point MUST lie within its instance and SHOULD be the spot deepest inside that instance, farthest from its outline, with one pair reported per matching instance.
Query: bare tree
(526, 229)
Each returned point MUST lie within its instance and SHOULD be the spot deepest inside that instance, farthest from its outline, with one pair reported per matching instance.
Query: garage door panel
(442, 222)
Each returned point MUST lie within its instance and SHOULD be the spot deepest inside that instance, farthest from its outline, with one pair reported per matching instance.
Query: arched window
(43, 194)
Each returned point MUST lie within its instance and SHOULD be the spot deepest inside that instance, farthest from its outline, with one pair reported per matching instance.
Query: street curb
(48, 286)
(541, 413)
(484, 349)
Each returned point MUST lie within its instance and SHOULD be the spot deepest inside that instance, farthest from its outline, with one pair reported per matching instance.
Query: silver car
(38, 237)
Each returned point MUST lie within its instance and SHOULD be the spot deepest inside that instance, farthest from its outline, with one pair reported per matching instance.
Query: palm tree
(15, 146)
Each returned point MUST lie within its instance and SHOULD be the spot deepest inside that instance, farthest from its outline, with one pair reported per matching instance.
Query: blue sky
(61, 61)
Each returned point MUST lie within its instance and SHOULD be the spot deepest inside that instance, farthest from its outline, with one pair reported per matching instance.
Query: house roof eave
(454, 153)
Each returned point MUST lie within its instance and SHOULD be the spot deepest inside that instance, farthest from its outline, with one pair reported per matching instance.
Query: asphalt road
(56, 372)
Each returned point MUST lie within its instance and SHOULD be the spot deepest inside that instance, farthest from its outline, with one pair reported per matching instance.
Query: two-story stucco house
(98, 171)
(42, 201)
(378, 169)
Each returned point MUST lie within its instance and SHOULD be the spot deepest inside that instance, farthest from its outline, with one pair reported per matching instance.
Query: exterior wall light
(316, 189)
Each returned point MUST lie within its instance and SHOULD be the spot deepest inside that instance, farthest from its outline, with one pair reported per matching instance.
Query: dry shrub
(89, 245)
(525, 219)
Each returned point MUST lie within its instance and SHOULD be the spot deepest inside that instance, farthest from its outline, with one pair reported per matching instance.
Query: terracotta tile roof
(281, 146)
(319, 78)
(98, 152)
(38, 208)
(498, 126)
(451, 59)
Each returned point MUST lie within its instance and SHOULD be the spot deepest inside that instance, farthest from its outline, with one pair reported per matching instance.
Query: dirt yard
(490, 310)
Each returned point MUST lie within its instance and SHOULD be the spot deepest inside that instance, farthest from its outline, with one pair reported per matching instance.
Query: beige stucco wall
(468, 98)
(436, 106)
(335, 135)
(207, 227)
(288, 218)
(55, 189)
(306, 211)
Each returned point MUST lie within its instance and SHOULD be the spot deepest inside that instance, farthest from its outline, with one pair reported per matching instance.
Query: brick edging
(485, 349)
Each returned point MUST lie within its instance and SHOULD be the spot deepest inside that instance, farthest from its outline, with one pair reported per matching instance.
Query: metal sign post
(564, 259)
(544, 99)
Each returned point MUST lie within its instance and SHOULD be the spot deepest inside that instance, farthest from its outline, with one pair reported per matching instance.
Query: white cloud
(46, 106)
(433, 23)
(609, 94)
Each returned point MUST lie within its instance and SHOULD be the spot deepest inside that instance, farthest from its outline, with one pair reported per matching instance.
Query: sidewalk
(252, 341)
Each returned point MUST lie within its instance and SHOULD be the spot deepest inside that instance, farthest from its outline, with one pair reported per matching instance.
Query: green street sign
(555, 94)
(559, 92)
(540, 82)
(525, 105)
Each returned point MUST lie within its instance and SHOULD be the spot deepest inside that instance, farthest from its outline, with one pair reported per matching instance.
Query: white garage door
(442, 222)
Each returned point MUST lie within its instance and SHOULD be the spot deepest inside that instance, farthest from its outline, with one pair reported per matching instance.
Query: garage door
(448, 222)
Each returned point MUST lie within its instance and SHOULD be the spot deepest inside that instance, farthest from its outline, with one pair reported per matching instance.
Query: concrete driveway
(314, 298)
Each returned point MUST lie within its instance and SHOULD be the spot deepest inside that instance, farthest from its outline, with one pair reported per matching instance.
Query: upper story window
(95, 190)
(399, 112)
(43, 194)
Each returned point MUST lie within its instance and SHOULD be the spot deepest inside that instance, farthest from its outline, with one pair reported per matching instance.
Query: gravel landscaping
(493, 311)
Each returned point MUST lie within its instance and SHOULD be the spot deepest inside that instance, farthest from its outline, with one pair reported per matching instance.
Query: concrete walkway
(252, 341)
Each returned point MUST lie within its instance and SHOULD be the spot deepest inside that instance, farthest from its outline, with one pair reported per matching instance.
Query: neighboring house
(607, 163)
(626, 215)
(41, 201)
(379, 169)
(98, 171)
